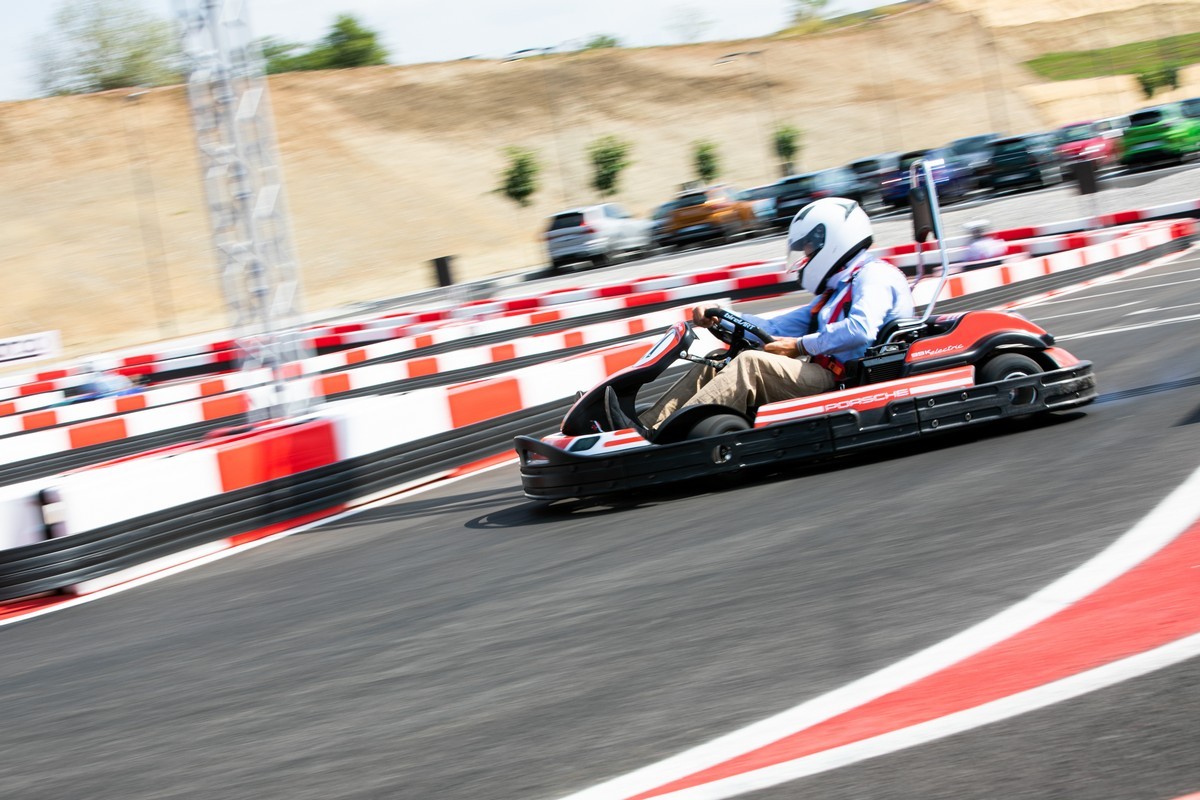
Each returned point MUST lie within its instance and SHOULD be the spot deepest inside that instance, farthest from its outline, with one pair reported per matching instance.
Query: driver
(856, 294)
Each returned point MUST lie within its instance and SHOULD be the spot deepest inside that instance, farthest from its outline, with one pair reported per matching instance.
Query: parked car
(1160, 133)
(840, 182)
(952, 178)
(714, 212)
(659, 220)
(973, 152)
(762, 198)
(1031, 159)
(598, 234)
(797, 191)
(1088, 142)
(871, 172)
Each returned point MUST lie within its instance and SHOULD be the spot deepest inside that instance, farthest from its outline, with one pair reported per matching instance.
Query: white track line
(1126, 328)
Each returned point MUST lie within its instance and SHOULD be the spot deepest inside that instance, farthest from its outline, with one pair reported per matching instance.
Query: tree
(609, 156)
(348, 44)
(97, 45)
(786, 141)
(808, 11)
(704, 156)
(602, 41)
(519, 181)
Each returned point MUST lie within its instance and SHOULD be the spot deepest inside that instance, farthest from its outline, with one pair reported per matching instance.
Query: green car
(1160, 133)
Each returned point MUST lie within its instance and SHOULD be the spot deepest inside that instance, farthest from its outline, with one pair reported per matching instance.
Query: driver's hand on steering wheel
(700, 320)
(784, 346)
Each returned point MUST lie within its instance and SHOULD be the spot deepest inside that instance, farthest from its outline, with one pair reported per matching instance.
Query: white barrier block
(115, 492)
(20, 514)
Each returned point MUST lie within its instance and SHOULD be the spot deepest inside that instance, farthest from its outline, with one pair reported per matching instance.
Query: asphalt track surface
(465, 643)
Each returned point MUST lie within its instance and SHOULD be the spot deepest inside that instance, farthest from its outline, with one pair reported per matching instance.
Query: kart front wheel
(1012, 365)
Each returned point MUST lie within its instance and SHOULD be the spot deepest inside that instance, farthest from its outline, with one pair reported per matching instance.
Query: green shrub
(519, 180)
(708, 164)
(609, 156)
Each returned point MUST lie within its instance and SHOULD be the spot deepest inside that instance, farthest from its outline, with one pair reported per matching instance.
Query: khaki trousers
(752, 379)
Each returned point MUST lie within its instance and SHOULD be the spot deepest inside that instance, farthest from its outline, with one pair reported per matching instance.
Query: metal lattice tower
(227, 93)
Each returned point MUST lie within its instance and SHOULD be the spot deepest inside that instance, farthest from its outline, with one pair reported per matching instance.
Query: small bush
(708, 164)
(610, 156)
(519, 181)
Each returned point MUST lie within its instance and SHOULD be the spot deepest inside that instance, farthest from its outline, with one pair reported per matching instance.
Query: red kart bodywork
(920, 378)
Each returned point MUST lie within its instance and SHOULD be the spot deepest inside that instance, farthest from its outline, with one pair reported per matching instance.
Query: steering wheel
(732, 330)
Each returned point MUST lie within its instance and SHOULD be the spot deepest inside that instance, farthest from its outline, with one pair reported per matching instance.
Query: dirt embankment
(389, 167)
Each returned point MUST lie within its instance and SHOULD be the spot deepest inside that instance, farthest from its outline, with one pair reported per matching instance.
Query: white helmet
(824, 236)
(977, 227)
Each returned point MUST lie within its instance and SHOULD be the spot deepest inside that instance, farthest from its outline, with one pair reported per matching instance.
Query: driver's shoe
(618, 420)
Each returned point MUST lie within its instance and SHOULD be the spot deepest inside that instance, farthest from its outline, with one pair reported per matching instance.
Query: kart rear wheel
(717, 425)
(1012, 365)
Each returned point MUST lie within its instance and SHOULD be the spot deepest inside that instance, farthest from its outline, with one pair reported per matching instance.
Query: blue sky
(416, 31)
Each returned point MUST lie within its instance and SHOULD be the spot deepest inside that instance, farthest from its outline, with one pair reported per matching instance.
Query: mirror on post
(1087, 181)
(922, 198)
(922, 214)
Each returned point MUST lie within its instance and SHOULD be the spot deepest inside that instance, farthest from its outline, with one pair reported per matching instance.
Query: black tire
(1008, 365)
(717, 425)
(1012, 365)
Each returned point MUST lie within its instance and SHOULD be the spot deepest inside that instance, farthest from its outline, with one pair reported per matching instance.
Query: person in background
(981, 246)
(104, 383)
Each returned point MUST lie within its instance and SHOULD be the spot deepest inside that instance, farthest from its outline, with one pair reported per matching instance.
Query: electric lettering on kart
(935, 351)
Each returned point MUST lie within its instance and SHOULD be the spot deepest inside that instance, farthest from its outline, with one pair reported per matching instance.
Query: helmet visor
(804, 249)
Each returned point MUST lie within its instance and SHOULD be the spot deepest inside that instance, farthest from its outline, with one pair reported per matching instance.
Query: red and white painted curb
(215, 398)
(1004, 274)
(1126, 612)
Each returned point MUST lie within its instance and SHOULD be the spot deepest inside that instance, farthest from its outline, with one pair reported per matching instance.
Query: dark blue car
(952, 177)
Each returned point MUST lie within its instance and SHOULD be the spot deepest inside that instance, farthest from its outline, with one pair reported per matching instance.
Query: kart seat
(902, 328)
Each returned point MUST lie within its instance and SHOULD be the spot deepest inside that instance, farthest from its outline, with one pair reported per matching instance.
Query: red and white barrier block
(1004, 274)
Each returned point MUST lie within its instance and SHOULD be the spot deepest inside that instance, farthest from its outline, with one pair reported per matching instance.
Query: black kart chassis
(548, 473)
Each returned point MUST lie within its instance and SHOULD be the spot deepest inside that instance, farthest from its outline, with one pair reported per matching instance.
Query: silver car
(600, 234)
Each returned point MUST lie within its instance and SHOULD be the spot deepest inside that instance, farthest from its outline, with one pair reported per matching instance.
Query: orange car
(716, 212)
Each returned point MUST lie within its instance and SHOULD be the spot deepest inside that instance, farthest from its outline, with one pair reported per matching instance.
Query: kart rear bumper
(550, 473)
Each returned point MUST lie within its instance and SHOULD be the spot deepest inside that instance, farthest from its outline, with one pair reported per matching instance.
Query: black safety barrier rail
(58, 563)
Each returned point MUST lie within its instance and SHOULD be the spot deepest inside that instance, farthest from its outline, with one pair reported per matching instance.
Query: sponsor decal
(937, 351)
(30, 347)
(866, 400)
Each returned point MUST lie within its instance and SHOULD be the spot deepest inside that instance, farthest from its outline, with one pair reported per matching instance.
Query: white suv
(598, 234)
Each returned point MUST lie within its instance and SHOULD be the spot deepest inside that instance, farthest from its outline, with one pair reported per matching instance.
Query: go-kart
(920, 377)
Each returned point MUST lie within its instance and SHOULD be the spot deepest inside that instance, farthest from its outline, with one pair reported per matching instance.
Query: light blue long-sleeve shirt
(879, 294)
